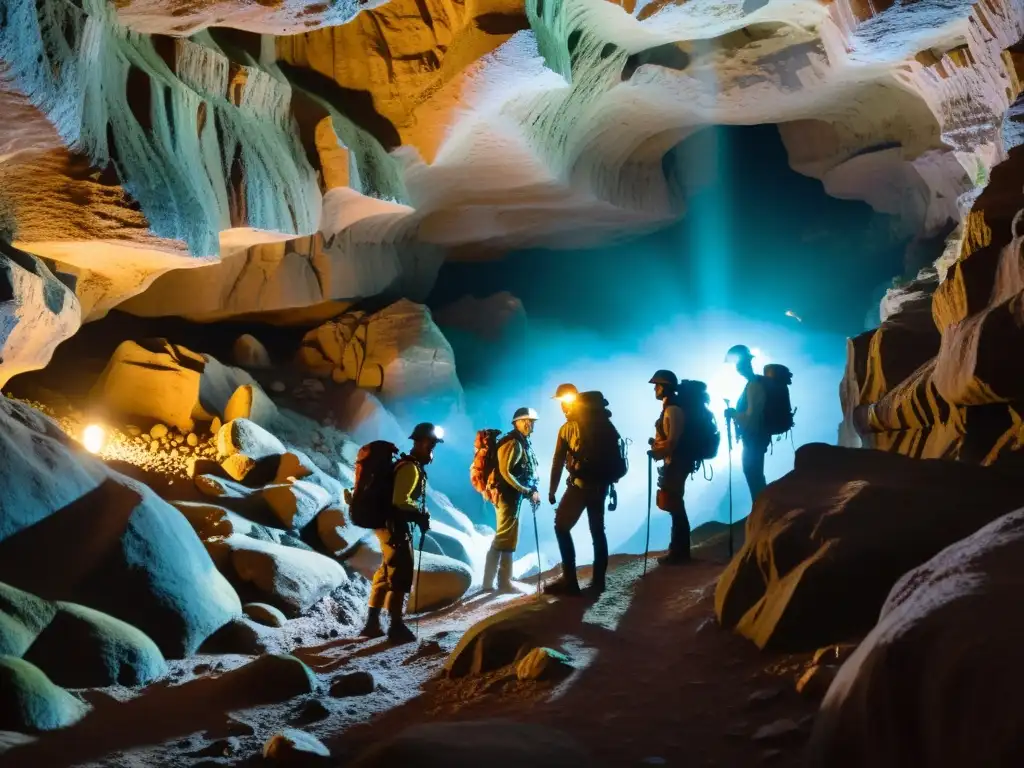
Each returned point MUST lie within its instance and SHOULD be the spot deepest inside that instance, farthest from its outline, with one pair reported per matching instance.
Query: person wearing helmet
(516, 480)
(672, 474)
(566, 394)
(580, 495)
(748, 416)
(393, 580)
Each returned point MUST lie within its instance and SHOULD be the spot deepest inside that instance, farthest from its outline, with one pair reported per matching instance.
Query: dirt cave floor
(656, 682)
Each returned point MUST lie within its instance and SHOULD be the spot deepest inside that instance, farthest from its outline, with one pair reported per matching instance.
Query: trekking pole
(419, 566)
(647, 546)
(536, 538)
(728, 434)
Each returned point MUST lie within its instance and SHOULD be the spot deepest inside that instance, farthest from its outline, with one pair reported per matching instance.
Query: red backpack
(485, 462)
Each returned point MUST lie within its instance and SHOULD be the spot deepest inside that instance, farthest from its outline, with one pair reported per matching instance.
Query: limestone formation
(37, 312)
(167, 383)
(826, 542)
(323, 154)
(398, 353)
(938, 655)
(935, 380)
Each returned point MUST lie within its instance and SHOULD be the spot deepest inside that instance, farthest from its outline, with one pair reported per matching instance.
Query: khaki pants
(506, 537)
(396, 570)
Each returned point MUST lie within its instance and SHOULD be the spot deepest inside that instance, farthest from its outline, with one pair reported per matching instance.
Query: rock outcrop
(120, 549)
(928, 684)
(397, 353)
(37, 312)
(169, 384)
(826, 542)
(934, 380)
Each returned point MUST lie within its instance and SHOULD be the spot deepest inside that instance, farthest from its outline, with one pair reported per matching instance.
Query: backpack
(778, 412)
(601, 458)
(701, 437)
(370, 500)
(485, 462)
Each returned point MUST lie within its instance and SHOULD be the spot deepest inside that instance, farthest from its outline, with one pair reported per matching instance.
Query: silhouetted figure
(672, 474)
(591, 450)
(749, 418)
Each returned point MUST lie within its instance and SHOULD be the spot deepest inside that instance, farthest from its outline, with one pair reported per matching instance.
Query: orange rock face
(935, 379)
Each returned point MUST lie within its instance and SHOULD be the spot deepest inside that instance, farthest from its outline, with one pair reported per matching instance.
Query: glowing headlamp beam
(439, 432)
(569, 398)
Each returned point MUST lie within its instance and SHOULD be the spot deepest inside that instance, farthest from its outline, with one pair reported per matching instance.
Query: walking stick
(647, 546)
(728, 434)
(536, 538)
(419, 566)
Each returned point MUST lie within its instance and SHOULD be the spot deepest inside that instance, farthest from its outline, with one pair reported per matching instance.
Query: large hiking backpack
(370, 500)
(485, 464)
(602, 454)
(778, 411)
(701, 437)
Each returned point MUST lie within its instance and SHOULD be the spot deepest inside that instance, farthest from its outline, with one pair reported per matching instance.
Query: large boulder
(442, 580)
(75, 646)
(505, 744)
(73, 530)
(37, 312)
(291, 579)
(30, 702)
(826, 542)
(398, 352)
(167, 383)
(83, 648)
(495, 641)
(933, 684)
(22, 618)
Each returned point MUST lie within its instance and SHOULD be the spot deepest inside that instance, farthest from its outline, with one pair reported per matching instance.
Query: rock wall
(938, 378)
(302, 153)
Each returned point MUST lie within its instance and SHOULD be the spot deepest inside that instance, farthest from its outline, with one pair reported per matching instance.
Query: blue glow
(694, 348)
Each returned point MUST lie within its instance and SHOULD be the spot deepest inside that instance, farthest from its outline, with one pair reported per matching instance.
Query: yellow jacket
(407, 497)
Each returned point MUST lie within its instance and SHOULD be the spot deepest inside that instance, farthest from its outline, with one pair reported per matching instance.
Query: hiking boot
(505, 584)
(675, 558)
(596, 587)
(490, 569)
(399, 633)
(372, 628)
(562, 586)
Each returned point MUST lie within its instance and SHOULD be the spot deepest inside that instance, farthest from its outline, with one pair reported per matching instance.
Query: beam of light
(439, 432)
(794, 315)
(93, 438)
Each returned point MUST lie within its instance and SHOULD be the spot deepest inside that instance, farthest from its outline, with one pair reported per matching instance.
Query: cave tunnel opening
(757, 240)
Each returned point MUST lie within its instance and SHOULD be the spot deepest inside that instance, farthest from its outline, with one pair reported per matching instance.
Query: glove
(551, 498)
